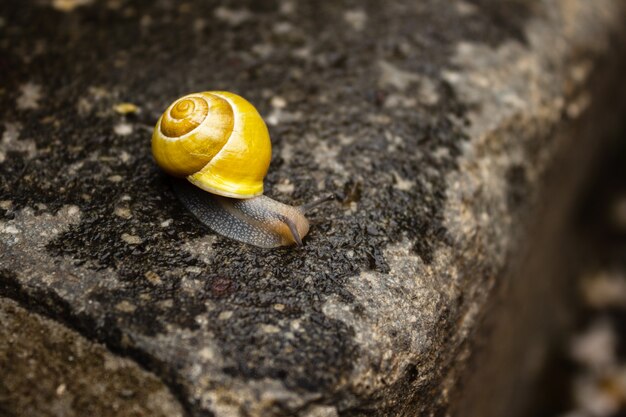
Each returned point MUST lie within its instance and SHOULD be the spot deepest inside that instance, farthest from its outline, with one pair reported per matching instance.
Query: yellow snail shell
(218, 141)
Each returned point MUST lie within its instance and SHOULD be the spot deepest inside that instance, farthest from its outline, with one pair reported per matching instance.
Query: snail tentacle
(305, 208)
(294, 231)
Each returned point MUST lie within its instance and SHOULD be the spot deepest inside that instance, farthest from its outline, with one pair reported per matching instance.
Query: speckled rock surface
(436, 127)
(63, 374)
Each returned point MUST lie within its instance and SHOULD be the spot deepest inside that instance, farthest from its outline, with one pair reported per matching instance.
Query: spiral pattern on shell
(184, 115)
(217, 140)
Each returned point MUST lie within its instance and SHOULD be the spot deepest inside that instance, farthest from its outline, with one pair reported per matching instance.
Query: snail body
(219, 143)
(259, 221)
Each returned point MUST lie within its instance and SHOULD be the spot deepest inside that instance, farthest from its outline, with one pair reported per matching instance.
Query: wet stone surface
(390, 109)
(74, 377)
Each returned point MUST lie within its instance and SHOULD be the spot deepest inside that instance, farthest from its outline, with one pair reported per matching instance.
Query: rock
(455, 139)
(49, 370)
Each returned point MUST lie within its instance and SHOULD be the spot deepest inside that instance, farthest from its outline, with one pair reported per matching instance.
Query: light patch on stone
(69, 5)
(345, 140)
(355, 18)
(286, 152)
(11, 133)
(263, 50)
(37, 227)
(287, 7)
(194, 269)
(270, 328)
(207, 354)
(123, 129)
(295, 325)
(202, 247)
(99, 93)
(464, 8)
(6, 204)
(115, 178)
(378, 119)
(160, 400)
(125, 157)
(225, 315)
(123, 212)
(84, 106)
(580, 71)
(285, 187)
(326, 155)
(233, 17)
(282, 28)
(27, 254)
(199, 25)
(126, 307)
(383, 321)
(578, 105)
(192, 286)
(427, 92)
(29, 97)
(153, 278)
(11, 229)
(11, 142)
(60, 389)
(304, 53)
(278, 102)
(391, 76)
(278, 116)
(131, 239)
(399, 101)
(402, 184)
(254, 398)
(321, 411)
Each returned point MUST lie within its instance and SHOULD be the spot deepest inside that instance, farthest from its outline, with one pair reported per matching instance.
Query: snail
(219, 143)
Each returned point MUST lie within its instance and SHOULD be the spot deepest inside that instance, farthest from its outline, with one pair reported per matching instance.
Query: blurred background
(586, 376)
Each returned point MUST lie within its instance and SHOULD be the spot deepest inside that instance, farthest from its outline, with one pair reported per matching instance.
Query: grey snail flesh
(258, 221)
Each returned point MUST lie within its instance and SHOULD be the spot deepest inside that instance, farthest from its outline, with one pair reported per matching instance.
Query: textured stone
(49, 370)
(441, 130)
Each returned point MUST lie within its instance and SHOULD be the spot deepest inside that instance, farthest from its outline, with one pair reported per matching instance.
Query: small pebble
(131, 239)
(356, 18)
(125, 307)
(125, 108)
(123, 129)
(270, 328)
(225, 315)
(123, 212)
(29, 97)
(153, 277)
